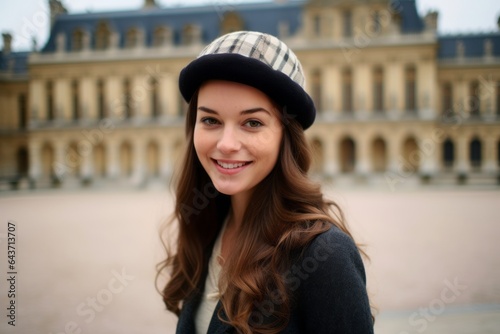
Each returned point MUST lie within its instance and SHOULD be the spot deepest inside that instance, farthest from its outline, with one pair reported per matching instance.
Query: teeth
(230, 166)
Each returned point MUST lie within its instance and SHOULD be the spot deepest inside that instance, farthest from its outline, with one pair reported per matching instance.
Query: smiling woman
(266, 253)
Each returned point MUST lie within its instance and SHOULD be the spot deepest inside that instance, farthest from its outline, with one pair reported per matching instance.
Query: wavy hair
(286, 211)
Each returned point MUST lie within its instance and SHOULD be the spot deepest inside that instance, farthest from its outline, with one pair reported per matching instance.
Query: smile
(231, 165)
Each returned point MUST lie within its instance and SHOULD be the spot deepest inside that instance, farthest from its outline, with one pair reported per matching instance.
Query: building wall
(389, 110)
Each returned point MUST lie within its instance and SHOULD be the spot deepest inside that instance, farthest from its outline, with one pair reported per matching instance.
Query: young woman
(259, 249)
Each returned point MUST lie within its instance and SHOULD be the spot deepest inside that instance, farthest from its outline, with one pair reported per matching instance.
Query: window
(75, 100)
(127, 98)
(231, 22)
(376, 26)
(191, 34)
(447, 98)
(448, 153)
(49, 91)
(78, 37)
(475, 153)
(101, 108)
(22, 110)
(132, 38)
(474, 99)
(347, 104)
(347, 20)
(22, 162)
(379, 155)
(162, 36)
(103, 36)
(316, 89)
(378, 89)
(347, 155)
(155, 108)
(317, 25)
(410, 89)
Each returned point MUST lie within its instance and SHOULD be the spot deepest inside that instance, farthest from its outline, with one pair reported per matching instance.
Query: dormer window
(191, 34)
(77, 40)
(132, 38)
(231, 22)
(162, 36)
(103, 36)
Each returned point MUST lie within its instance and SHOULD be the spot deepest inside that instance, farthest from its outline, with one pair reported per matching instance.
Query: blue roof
(473, 45)
(14, 62)
(264, 16)
(411, 22)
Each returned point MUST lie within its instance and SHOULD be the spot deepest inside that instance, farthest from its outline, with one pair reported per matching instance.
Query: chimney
(431, 20)
(7, 43)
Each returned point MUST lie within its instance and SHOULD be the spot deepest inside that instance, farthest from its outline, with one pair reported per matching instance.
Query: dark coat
(327, 284)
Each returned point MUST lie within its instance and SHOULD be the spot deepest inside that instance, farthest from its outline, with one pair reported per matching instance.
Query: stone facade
(397, 103)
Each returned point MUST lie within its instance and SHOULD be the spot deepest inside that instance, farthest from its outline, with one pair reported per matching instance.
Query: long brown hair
(286, 211)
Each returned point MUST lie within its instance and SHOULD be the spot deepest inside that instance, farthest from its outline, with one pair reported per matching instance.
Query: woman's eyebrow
(243, 112)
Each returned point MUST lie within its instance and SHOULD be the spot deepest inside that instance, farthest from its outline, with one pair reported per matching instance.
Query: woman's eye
(209, 121)
(253, 124)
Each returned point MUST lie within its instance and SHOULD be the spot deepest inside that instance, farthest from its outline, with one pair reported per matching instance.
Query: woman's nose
(229, 141)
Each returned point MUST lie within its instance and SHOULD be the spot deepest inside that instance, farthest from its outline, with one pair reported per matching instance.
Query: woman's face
(237, 135)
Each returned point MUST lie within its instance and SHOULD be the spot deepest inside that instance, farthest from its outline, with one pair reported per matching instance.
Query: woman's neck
(239, 204)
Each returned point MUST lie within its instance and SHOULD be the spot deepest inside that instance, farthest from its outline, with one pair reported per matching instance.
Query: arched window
(379, 155)
(102, 36)
(99, 160)
(132, 38)
(411, 155)
(475, 153)
(126, 159)
(448, 153)
(231, 21)
(47, 161)
(347, 100)
(191, 34)
(162, 36)
(153, 159)
(22, 162)
(347, 155)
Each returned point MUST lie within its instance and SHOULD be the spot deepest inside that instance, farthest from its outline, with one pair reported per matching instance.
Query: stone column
(363, 161)
(395, 88)
(490, 162)
(165, 156)
(361, 79)
(335, 88)
(331, 155)
(35, 157)
(37, 101)
(426, 88)
(167, 91)
(89, 98)
(140, 90)
(113, 97)
(62, 98)
(112, 157)
(60, 165)
(85, 149)
(138, 161)
(462, 149)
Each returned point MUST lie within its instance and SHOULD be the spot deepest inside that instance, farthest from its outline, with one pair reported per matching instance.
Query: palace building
(398, 104)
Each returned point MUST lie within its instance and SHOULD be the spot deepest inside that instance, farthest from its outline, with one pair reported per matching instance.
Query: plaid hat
(258, 60)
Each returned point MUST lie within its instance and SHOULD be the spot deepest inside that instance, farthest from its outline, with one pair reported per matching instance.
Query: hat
(254, 59)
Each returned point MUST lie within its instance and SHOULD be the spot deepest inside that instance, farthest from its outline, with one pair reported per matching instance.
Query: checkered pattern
(266, 48)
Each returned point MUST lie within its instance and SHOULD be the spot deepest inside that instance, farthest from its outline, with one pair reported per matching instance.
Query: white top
(211, 293)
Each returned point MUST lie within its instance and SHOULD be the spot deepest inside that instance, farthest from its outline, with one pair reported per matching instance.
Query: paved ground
(85, 260)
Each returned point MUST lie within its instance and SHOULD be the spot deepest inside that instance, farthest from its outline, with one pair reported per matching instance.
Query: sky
(22, 18)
